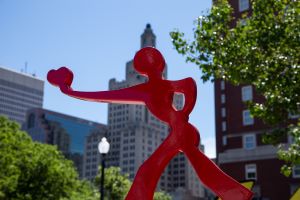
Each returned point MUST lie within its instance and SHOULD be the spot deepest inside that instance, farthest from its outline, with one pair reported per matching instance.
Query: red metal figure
(157, 95)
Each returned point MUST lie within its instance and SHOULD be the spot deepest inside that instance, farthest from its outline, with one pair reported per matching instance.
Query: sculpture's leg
(215, 179)
(148, 175)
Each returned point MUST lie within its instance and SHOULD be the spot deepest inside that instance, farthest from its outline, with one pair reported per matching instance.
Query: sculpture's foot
(148, 175)
(144, 184)
(238, 193)
(214, 178)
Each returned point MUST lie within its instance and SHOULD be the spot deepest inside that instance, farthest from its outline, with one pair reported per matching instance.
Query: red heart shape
(60, 77)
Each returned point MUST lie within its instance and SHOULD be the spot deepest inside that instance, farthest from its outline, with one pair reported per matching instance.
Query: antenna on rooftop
(25, 70)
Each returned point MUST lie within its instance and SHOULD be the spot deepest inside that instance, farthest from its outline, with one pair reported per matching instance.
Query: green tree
(117, 185)
(161, 196)
(31, 170)
(263, 50)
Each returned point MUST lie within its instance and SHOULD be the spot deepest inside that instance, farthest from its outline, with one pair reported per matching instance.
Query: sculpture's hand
(62, 77)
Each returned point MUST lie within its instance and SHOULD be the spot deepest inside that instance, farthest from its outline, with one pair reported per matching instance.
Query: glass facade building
(66, 132)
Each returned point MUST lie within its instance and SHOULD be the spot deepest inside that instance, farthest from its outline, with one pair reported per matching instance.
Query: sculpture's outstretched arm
(126, 96)
(189, 89)
(63, 77)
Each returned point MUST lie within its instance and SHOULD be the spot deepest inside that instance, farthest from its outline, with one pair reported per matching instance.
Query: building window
(243, 5)
(247, 93)
(224, 140)
(250, 172)
(31, 120)
(223, 98)
(222, 85)
(223, 112)
(243, 22)
(296, 171)
(224, 126)
(249, 141)
(294, 116)
(247, 119)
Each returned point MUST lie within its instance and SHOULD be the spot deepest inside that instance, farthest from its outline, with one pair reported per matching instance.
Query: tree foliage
(117, 185)
(30, 170)
(263, 50)
(161, 196)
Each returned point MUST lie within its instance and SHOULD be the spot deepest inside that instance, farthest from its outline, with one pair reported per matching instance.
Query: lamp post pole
(102, 177)
(103, 148)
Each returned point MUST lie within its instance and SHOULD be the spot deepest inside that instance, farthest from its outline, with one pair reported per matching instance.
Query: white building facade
(18, 93)
(92, 157)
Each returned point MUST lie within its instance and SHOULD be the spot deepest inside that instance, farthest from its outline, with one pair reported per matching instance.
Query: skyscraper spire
(148, 38)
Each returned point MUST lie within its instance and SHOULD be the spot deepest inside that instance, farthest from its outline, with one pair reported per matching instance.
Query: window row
(125, 162)
(246, 93)
(249, 141)
(247, 119)
(118, 113)
(131, 147)
(251, 172)
(131, 154)
(21, 88)
(125, 141)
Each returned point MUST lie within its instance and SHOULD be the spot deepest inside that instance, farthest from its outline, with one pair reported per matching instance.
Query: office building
(92, 157)
(68, 133)
(18, 93)
(240, 150)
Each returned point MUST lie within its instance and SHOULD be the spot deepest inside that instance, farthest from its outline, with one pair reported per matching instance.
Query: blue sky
(95, 39)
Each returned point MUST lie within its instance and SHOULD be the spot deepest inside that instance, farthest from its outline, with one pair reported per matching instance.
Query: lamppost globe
(103, 146)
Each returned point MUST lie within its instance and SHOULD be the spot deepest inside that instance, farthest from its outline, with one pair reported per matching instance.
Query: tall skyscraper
(18, 93)
(134, 134)
(68, 133)
(240, 150)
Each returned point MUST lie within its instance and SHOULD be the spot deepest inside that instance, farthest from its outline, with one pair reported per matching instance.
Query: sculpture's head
(149, 62)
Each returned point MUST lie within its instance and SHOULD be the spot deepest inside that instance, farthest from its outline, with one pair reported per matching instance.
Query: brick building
(240, 151)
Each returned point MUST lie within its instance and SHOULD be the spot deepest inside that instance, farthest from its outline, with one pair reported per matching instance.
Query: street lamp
(103, 148)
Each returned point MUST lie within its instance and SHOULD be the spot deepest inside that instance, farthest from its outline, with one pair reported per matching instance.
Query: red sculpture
(157, 95)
